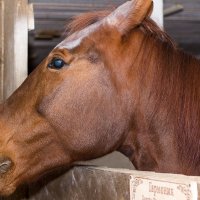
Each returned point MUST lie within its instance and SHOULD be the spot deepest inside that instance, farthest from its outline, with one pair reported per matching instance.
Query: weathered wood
(191, 10)
(89, 183)
(184, 27)
(31, 21)
(1, 48)
(100, 183)
(14, 45)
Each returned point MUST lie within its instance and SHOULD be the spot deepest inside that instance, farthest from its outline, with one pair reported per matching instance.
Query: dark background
(51, 18)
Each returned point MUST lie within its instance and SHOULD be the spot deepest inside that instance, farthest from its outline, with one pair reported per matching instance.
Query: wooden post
(157, 14)
(13, 45)
(1, 48)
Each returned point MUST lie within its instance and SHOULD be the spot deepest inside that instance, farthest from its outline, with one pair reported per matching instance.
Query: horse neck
(166, 109)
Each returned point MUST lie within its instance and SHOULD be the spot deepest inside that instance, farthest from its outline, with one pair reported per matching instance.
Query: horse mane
(84, 20)
(174, 93)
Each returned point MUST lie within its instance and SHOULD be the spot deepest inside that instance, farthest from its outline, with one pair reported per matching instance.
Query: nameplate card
(150, 189)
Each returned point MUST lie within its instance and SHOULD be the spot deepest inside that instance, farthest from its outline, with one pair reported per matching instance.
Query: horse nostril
(5, 164)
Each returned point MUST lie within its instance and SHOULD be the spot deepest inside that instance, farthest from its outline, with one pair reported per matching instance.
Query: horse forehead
(76, 38)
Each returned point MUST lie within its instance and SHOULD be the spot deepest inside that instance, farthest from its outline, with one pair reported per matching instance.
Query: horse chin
(7, 189)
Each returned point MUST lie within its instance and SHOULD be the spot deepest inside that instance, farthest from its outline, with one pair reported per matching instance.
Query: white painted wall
(157, 14)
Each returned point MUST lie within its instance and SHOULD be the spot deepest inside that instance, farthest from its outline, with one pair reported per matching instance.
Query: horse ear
(130, 14)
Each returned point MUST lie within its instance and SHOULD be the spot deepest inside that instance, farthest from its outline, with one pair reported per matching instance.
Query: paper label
(150, 189)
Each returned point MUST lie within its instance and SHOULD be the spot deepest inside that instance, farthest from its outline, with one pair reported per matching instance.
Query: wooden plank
(15, 44)
(31, 21)
(1, 48)
(100, 183)
(184, 31)
(191, 10)
(81, 1)
(88, 183)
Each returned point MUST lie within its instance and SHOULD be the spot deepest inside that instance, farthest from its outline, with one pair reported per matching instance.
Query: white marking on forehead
(122, 12)
(76, 38)
(116, 17)
(71, 44)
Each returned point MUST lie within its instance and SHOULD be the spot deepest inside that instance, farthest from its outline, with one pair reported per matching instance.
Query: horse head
(78, 104)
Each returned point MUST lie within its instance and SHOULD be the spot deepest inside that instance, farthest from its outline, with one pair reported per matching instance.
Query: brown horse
(116, 83)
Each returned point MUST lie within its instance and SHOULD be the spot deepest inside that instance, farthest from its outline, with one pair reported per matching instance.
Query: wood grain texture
(1, 47)
(15, 45)
(184, 27)
(100, 183)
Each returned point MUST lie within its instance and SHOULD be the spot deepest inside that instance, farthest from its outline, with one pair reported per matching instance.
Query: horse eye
(56, 63)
